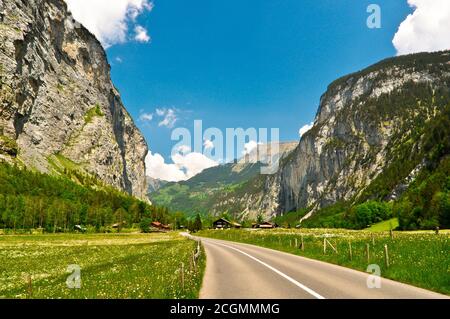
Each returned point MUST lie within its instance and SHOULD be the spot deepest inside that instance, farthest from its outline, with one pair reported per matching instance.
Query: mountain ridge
(366, 142)
(61, 113)
(203, 192)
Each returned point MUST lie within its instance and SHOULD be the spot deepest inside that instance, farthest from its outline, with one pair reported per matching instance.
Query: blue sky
(246, 63)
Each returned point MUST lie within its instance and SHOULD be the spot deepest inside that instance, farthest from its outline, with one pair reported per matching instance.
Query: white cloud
(249, 147)
(169, 117)
(160, 112)
(141, 34)
(426, 29)
(146, 117)
(184, 166)
(184, 149)
(108, 20)
(157, 168)
(305, 128)
(193, 163)
(208, 144)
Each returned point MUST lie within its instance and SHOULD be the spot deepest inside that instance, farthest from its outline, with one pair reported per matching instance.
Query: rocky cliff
(363, 122)
(225, 188)
(59, 111)
(366, 143)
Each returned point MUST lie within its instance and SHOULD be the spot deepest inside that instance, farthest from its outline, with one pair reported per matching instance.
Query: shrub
(145, 224)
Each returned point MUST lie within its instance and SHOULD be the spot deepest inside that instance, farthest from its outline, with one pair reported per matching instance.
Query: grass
(8, 144)
(63, 163)
(417, 258)
(93, 112)
(112, 266)
(386, 225)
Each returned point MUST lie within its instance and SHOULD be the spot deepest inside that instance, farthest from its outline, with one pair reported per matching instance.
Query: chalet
(265, 225)
(119, 225)
(80, 228)
(160, 226)
(222, 223)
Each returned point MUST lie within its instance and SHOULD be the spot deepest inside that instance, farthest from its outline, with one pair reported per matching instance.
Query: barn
(160, 226)
(222, 223)
(265, 225)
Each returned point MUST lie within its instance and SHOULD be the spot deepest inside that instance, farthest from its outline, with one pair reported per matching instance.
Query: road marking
(292, 280)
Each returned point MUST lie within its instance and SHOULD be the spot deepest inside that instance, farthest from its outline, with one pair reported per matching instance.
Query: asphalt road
(241, 271)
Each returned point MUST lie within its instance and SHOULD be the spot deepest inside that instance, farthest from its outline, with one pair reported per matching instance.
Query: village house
(265, 225)
(160, 226)
(222, 223)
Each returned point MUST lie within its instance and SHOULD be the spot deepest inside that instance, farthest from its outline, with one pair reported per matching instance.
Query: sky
(244, 63)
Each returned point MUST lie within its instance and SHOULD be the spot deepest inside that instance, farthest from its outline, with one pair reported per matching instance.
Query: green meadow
(112, 266)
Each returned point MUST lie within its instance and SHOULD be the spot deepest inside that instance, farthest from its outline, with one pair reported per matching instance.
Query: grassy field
(111, 266)
(418, 258)
(386, 225)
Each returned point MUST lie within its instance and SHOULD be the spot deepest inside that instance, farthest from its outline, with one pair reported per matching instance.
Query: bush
(145, 225)
(369, 213)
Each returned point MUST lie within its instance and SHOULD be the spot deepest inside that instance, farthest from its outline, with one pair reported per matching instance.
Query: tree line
(30, 200)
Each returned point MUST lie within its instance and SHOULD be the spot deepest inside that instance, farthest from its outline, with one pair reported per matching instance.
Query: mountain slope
(369, 124)
(375, 132)
(59, 110)
(209, 191)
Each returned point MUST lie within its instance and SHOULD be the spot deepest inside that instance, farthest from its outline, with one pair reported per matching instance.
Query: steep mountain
(208, 192)
(154, 184)
(374, 133)
(59, 111)
(382, 133)
(368, 123)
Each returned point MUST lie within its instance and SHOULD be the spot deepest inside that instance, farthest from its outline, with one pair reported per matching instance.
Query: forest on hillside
(30, 200)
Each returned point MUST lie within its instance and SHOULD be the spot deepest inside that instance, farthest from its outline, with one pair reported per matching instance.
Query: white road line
(292, 280)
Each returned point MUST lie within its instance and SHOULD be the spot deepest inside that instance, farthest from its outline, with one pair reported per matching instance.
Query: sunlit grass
(112, 266)
(386, 225)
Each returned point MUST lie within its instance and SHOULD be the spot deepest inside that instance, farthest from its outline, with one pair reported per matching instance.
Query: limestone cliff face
(361, 121)
(59, 110)
(364, 123)
(236, 188)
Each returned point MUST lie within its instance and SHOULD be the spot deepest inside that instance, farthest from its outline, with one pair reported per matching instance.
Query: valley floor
(111, 266)
(421, 259)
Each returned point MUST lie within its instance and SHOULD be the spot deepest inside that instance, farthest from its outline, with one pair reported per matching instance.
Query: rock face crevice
(57, 100)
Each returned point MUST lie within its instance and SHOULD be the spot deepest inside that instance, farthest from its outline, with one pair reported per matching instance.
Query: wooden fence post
(332, 247)
(368, 253)
(391, 232)
(182, 275)
(324, 245)
(296, 243)
(303, 244)
(386, 255)
(350, 253)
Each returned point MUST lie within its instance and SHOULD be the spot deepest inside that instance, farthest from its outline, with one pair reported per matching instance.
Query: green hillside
(31, 200)
(200, 193)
